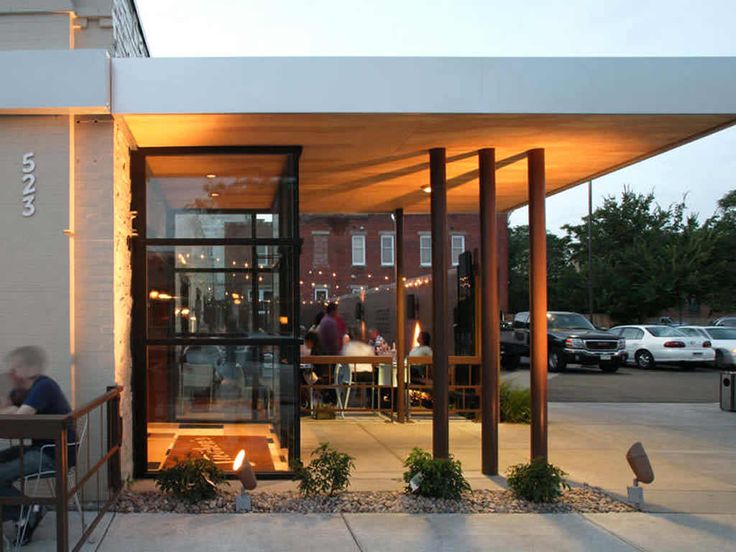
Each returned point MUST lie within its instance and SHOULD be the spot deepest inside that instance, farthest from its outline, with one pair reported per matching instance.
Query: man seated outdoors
(33, 393)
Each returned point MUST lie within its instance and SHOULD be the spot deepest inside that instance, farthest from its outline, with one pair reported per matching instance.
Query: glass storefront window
(225, 397)
(218, 290)
(218, 196)
(217, 339)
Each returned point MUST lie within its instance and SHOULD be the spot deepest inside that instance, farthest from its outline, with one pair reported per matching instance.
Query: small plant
(516, 404)
(327, 474)
(193, 479)
(537, 481)
(434, 478)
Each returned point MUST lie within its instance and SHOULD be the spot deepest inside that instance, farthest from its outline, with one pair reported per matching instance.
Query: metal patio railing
(464, 398)
(86, 482)
(381, 398)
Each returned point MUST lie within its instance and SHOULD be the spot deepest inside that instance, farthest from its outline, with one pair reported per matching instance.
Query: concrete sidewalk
(436, 532)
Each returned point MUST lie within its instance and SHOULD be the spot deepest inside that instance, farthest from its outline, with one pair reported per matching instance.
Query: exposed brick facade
(338, 230)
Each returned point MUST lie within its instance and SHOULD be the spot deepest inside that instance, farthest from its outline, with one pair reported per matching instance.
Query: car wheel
(609, 367)
(556, 361)
(510, 362)
(719, 359)
(644, 360)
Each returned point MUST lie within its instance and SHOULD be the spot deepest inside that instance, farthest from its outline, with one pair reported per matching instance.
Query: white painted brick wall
(34, 252)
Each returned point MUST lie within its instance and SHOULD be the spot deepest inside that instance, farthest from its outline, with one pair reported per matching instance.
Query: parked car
(725, 321)
(722, 339)
(650, 345)
(571, 338)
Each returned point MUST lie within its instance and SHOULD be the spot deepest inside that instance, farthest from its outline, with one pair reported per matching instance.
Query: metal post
(400, 314)
(490, 322)
(62, 500)
(440, 417)
(538, 302)
(590, 250)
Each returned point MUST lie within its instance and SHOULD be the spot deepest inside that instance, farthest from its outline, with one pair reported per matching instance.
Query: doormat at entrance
(222, 450)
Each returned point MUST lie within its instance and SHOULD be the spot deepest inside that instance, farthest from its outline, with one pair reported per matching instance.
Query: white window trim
(456, 262)
(421, 236)
(319, 289)
(393, 248)
(352, 249)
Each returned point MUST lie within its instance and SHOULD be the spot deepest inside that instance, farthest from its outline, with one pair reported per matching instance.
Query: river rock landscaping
(583, 499)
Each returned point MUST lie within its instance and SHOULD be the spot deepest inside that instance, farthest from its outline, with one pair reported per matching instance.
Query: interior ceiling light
(211, 176)
(427, 189)
(214, 194)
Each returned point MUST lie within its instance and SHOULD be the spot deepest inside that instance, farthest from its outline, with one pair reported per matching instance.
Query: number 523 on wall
(29, 184)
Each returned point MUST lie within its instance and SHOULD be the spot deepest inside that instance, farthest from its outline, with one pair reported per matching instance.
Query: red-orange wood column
(490, 322)
(538, 302)
(400, 315)
(440, 318)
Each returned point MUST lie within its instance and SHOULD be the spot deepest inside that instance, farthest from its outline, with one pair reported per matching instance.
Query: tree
(721, 265)
(564, 280)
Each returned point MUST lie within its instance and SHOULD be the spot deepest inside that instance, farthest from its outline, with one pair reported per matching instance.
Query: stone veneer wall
(123, 300)
(128, 39)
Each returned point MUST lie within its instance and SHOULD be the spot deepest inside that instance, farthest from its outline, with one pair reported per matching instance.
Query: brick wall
(128, 39)
(123, 300)
(339, 274)
(34, 285)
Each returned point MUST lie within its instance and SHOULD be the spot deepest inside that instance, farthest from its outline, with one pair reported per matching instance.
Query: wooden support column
(490, 322)
(538, 302)
(440, 318)
(400, 314)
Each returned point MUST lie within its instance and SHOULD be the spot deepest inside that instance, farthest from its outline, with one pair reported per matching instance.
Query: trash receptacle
(728, 391)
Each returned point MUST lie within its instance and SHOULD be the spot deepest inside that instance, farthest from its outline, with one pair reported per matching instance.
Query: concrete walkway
(404, 532)
(690, 506)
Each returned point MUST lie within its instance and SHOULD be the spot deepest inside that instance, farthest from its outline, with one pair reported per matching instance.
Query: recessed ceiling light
(214, 194)
(211, 176)
(427, 189)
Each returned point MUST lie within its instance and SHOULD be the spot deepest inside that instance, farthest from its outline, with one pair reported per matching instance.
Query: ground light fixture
(638, 460)
(244, 471)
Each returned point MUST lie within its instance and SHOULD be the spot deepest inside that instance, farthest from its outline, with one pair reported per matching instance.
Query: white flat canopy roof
(425, 85)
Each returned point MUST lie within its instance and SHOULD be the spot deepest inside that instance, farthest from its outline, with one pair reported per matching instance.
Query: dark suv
(571, 338)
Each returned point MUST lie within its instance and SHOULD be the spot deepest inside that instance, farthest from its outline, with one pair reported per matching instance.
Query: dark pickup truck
(571, 339)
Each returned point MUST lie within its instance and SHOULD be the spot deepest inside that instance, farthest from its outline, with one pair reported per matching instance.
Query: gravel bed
(583, 500)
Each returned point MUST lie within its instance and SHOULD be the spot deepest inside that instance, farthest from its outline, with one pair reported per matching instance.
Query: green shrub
(437, 478)
(516, 404)
(537, 481)
(327, 474)
(193, 479)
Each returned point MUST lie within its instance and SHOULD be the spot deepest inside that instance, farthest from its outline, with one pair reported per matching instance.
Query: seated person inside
(33, 393)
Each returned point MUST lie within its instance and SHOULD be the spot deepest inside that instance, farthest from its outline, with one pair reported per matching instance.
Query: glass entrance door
(215, 310)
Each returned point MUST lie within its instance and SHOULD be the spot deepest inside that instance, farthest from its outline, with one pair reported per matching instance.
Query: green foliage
(516, 404)
(327, 474)
(193, 479)
(646, 259)
(537, 481)
(438, 478)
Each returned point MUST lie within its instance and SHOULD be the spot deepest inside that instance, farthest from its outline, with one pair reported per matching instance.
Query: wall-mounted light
(211, 176)
(427, 189)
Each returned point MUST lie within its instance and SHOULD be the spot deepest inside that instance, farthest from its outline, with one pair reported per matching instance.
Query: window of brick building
(387, 250)
(358, 249)
(425, 249)
(320, 252)
(458, 248)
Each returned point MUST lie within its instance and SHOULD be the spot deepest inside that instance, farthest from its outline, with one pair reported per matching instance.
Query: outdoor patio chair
(39, 474)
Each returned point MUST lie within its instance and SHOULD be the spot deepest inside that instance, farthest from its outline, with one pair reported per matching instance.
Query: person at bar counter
(33, 394)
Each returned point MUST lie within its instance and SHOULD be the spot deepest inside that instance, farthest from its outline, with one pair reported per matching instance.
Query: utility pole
(590, 250)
